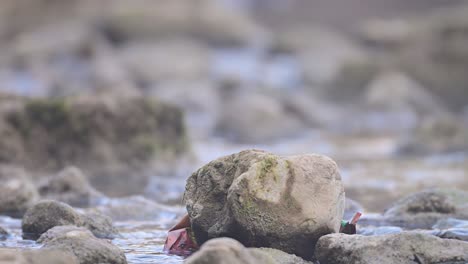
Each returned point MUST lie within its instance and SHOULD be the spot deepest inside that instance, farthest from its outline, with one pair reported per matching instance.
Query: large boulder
(41, 256)
(111, 137)
(87, 248)
(70, 186)
(17, 192)
(406, 247)
(48, 214)
(281, 257)
(229, 251)
(402, 101)
(265, 200)
(426, 208)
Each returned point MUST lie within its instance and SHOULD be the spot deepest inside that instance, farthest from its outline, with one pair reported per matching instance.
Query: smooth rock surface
(87, 248)
(424, 209)
(227, 251)
(281, 257)
(407, 247)
(48, 214)
(265, 200)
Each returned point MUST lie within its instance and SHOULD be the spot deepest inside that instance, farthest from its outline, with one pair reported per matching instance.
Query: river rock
(99, 224)
(60, 231)
(426, 208)
(436, 135)
(264, 200)
(47, 214)
(87, 248)
(281, 257)
(406, 247)
(17, 192)
(402, 101)
(70, 186)
(256, 118)
(89, 133)
(227, 250)
(41, 256)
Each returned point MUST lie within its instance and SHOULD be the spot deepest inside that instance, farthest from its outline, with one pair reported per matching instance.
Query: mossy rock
(104, 136)
(266, 200)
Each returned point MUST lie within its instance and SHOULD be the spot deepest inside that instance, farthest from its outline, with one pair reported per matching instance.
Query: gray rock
(254, 118)
(406, 247)
(60, 231)
(281, 257)
(393, 91)
(100, 224)
(424, 209)
(401, 101)
(87, 248)
(17, 192)
(436, 135)
(41, 256)
(228, 251)
(70, 186)
(264, 200)
(48, 214)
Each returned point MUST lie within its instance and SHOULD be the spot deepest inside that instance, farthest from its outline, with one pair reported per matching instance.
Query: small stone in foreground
(406, 247)
(87, 248)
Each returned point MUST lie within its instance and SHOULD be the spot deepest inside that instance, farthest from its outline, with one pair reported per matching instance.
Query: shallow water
(142, 241)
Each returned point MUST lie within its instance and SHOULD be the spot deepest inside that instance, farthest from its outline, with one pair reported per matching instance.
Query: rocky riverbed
(116, 120)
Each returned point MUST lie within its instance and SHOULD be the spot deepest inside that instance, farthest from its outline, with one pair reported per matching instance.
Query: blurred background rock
(137, 92)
